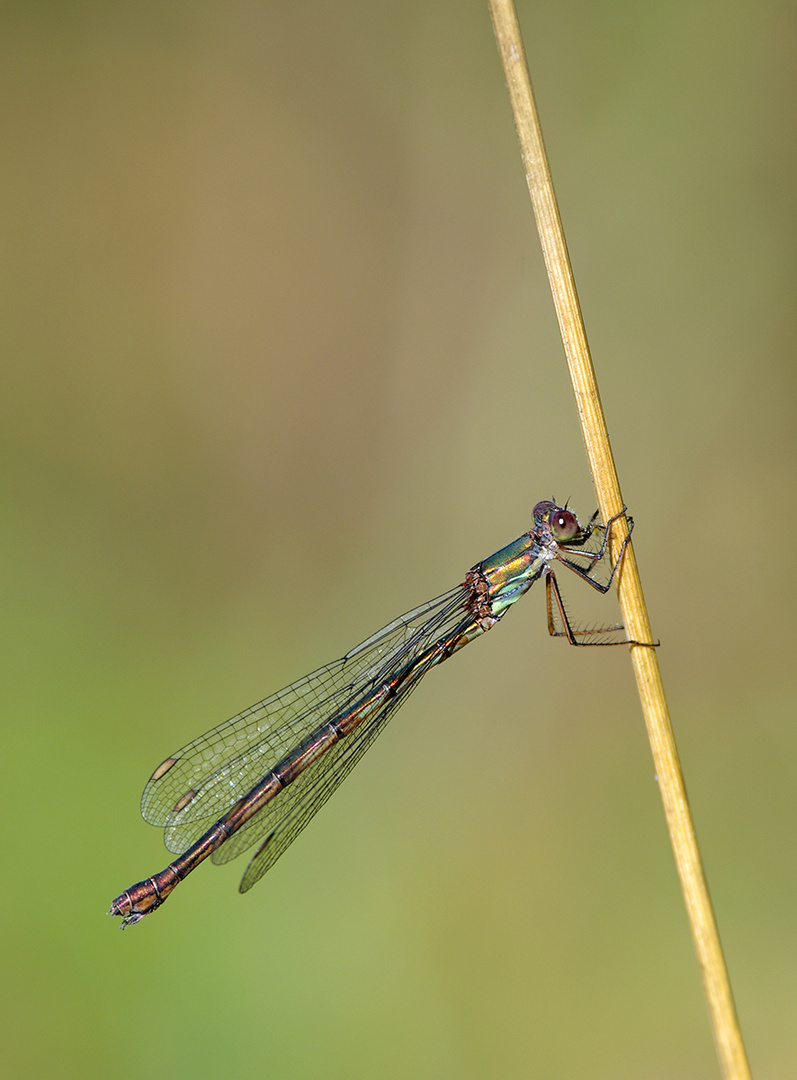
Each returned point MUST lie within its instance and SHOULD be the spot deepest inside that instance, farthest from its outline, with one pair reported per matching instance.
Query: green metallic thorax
(512, 571)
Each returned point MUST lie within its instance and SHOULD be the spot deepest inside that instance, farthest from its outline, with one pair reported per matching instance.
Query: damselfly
(260, 777)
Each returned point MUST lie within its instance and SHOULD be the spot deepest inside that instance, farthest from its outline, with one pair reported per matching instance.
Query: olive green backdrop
(278, 363)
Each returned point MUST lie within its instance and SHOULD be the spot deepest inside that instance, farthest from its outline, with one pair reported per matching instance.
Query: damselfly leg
(559, 622)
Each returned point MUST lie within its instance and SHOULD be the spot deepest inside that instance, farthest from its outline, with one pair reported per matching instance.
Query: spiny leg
(554, 602)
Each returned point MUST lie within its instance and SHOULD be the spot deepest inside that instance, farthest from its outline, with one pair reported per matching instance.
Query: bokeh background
(278, 363)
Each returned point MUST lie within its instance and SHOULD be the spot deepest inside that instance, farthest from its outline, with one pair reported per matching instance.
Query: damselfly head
(563, 523)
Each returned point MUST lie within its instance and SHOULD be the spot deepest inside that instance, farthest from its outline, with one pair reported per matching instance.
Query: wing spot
(183, 801)
(163, 768)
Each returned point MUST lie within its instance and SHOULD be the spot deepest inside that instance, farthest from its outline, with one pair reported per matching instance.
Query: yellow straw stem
(724, 1022)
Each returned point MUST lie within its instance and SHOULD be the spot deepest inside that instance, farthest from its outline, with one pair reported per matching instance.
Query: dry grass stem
(665, 755)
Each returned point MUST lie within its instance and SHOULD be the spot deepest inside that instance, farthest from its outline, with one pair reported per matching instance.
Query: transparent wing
(281, 822)
(199, 783)
(288, 819)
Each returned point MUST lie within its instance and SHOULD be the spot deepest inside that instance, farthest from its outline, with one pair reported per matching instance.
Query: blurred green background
(278, 363)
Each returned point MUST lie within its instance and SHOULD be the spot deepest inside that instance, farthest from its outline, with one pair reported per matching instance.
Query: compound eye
(564, 525)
